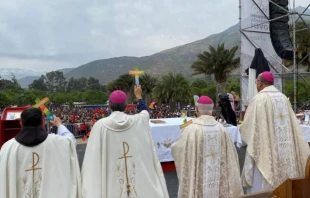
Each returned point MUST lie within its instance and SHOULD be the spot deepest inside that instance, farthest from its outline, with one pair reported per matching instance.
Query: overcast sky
(45, 35)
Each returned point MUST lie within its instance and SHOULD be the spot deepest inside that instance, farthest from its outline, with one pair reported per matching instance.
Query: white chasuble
(212, 160)
(48, 170)
(121, 160)
(252, 91)
(277, 149)
(206, 161)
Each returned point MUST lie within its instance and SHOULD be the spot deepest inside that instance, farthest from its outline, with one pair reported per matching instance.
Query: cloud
(67, 33)
(34, 64)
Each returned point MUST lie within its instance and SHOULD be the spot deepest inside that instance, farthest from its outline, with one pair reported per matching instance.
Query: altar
(165, 134)
(306, 131)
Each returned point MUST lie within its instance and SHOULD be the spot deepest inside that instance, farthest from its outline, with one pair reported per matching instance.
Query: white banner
(259, 37)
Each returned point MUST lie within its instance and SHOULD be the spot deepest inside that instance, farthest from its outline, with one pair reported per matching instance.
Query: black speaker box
(279, 30)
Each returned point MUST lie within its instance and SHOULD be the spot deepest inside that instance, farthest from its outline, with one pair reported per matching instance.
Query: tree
(125, 83)
(39, 84)
(218, 62)
(172, 88)
(4, 99)
(77, 84)
(303, 44)
(199, 83)
(303, 93)
(30, 96)
(95, 97)
(147, 83)
(93, 84)
(201, 87)
(14, 81)
(55, 81)
(233, 84)
(58, 98)
(113, 85)
(71, 85)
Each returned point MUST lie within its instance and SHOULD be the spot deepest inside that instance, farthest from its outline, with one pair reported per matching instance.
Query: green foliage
(93, 84)
(124, 82)
(303, 44)
(218, 62)
(4, 99)
(148, 83)
(210, 91)
(55, 81)
(173, 88)
(201, 87)
(77, 84)
(9, 84)
(233, 84)
(95, 97)
(31, 95)
(39, 84)
(199, 83)
(47, 86)
(303, 94)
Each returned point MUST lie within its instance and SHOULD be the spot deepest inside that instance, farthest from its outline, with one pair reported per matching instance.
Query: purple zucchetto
(268, 76)
(205, 100)
(118, 97)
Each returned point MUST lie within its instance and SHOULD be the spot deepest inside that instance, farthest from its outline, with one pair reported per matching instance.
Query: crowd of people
(75, 118)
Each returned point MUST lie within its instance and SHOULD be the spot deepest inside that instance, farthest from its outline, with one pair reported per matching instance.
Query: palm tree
(148, 83)
(303, 44)
(172, 88)
(218, 62)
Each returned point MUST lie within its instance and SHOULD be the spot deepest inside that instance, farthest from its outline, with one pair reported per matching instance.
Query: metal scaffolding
(293, 14)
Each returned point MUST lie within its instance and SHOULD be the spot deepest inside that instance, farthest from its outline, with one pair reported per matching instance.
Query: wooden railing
(291, 188)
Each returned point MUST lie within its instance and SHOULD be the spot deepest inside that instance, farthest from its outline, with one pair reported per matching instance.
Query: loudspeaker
(279, 30)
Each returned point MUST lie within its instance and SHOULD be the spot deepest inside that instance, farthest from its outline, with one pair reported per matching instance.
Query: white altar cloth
(306, 130)
(164, 135)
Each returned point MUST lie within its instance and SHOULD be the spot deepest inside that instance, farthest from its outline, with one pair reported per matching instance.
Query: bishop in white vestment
(206, 158)
(37, 165)
(120, 158)
(277, 149)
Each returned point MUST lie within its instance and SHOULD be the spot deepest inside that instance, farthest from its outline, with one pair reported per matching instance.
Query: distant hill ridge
(177, 59)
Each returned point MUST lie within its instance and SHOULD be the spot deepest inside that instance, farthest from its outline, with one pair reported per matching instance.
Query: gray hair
(118, 107)
(205, 109)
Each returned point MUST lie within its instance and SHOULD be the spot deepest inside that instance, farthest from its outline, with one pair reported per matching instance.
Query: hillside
(24, 82)
(176, 59)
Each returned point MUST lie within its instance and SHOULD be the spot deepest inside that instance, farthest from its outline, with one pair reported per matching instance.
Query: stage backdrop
(259, 37)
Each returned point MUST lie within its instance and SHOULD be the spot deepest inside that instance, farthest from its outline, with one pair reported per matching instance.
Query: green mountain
(24, 82)
(177, 59)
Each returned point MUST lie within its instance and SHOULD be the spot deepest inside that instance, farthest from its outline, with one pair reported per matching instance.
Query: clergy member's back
(35, 164)
(47, 170)
(276, 147)
(120, 158)
(205, 157)
(121, 161)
